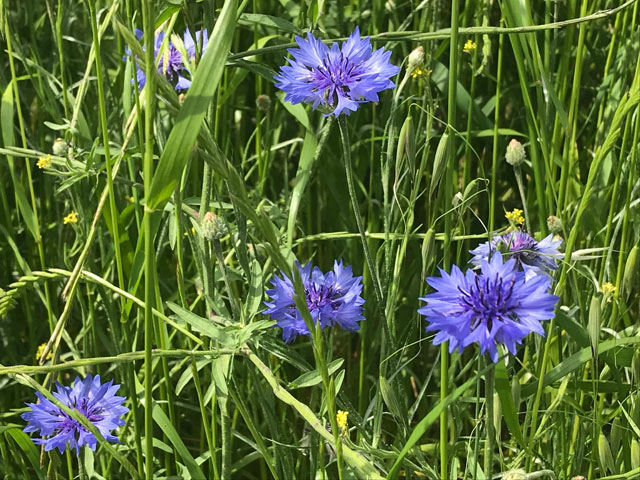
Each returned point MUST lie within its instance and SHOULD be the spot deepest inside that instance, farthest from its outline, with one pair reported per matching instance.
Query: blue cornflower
(534, 258)
(339, 78)
(332, 298)
(97, 402)
(497, 306)
(171, 63)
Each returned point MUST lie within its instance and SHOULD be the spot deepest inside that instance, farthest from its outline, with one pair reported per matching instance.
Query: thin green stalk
(496, 123)
(346, 149)
(448, 196)
(488, 398)
(149, 263)
(523, 196)
(105, 139)
(570, 151)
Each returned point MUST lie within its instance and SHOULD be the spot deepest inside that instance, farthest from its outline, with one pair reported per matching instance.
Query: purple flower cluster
(95, 401)
(333, 298)
(340, 78)
(171, 63)
(499, 305)
(534, 258)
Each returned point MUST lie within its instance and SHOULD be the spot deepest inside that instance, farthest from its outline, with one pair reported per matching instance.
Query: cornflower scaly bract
(496, 306)
(340, 78)
(532, 257)
(333, 298)
(96, 401)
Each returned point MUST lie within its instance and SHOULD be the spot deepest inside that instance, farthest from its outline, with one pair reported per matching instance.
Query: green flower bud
(263, 102)
(515, 153)
(554, 224)
(60, 148)
(213, 228)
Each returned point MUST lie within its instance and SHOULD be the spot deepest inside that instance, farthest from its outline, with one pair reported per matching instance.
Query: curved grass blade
(184, 133)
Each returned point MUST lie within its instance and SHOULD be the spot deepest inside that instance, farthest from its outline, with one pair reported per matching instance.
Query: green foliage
(230, 400)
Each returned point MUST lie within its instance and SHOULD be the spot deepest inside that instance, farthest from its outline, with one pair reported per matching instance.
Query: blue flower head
(534, 258)
(333, 298)
(171, 63)
(97, 402)
(496, 306)
(339, 78)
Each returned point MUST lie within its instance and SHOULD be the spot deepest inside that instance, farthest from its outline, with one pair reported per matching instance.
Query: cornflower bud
(515, 153)
(213, 228)
(263, 102)
(554, 224)
(60, 148)
(416, 57)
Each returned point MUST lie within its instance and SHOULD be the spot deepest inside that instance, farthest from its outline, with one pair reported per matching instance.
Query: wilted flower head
(496, 306)
(534, 258)
(332, 298)
(340, 78)
(171, 63)
(97, 402)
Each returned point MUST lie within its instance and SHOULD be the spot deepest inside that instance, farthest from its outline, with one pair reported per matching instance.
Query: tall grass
(135, 292)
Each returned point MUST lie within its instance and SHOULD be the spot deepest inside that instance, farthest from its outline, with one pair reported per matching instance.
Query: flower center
(93, 414)
(319, 296)
(488, 299)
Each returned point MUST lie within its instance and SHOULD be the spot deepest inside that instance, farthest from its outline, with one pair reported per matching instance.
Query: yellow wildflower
(128, 198)
(41, 350)
(44, 161)
(341, 418)
(608, 288)
(420, 72)
(515, 216)
(469, 46)
(71, 218)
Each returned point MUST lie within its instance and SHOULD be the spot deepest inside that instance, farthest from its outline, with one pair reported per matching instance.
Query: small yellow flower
(41, 350)
(608, 288)
(71, 218)
(515, 216)
(341, 418)
(420, 72)
(469, 46)
(128, 198)
(44, 161)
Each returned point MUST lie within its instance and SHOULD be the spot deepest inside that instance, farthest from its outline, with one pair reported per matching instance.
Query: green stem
(149, 264)
(523, 197)
(496, 123)
(448, 196)
(346, 148)
(488, 398)
(105, 139)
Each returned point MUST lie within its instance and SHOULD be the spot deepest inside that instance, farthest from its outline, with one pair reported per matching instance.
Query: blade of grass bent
(184, 133)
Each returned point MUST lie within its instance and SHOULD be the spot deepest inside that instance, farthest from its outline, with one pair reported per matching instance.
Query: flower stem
(523, 197)
(448, 196)
(149, 260)
(488, 398)
(346, 147)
